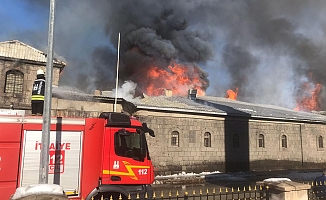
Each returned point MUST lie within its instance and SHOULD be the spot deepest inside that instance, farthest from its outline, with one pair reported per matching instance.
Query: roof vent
(192, 94)
(168, 92)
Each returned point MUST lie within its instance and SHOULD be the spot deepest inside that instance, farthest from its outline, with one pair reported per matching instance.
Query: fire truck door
(125, 165)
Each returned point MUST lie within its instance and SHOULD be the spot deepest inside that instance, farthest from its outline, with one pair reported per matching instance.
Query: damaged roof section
(223, 106)
(15, 49)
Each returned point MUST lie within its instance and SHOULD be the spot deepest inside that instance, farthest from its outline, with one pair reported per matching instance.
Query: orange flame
(230, 94)
(179, 78)
(311, 100)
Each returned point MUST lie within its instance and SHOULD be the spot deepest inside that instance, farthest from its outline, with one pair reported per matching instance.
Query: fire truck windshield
(128, 144)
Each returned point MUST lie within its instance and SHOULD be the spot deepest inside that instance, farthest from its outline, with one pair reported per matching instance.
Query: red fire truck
(91, 158)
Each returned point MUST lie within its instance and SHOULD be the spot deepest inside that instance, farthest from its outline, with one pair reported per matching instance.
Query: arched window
(235, 140)
(284, 141)
(207, 139)
(14, 82)
(320, 142)
(175, 138)
(261, 141)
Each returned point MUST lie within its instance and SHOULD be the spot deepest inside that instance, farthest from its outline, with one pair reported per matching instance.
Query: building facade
(226, 137)
(18, 65)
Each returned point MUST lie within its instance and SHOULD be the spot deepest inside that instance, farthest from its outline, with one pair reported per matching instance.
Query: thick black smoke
(269, 49)
(152, 34)
(265, 53)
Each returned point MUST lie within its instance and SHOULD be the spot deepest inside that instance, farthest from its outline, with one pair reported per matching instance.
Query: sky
(273, 51)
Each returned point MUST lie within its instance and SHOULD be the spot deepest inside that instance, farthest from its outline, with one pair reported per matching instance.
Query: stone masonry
(301, 151)
(21, 101)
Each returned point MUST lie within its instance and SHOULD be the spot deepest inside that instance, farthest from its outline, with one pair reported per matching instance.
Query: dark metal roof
(223, 106)
(175, 104)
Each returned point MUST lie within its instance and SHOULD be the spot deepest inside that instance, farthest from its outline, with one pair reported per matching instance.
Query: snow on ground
(216, 176)
(184, 175)
(276, 179)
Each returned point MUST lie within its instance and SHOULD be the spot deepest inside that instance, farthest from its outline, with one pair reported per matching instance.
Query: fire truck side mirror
(148, 130)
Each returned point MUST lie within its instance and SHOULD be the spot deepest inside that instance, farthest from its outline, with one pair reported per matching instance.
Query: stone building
(211, 133)
(18, 65)
(194, 133)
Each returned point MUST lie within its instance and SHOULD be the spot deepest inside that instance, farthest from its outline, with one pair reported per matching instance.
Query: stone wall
(191, 155)
(83, 105)
(75, 108)
(313, 156)
(301, 151)
(21, 101)
(273, 156)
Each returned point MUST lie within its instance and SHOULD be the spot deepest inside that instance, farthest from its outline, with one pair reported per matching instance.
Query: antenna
(116, 82)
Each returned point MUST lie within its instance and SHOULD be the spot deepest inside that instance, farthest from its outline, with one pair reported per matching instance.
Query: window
(128, 145)
(284, 141)
(14, 82)
(261, 141)
(207, 139)
(320, 142)
(235, 140)
(175, 138)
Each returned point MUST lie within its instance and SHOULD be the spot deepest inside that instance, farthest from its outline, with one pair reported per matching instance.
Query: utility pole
(44, 157)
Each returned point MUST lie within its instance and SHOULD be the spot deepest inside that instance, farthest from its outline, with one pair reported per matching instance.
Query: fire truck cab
(91, 158)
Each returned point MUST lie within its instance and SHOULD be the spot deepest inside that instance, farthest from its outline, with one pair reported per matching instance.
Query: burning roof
(230, 94)
(177, 77)
(310, 98)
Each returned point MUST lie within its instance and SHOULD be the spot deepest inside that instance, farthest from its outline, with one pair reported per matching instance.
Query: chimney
(97, 93)
(192, 94)
(168, 92)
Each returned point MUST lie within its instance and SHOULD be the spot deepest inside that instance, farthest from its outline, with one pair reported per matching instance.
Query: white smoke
(126, 91)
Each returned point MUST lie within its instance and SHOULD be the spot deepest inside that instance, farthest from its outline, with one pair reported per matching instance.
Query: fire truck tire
(115, 190)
